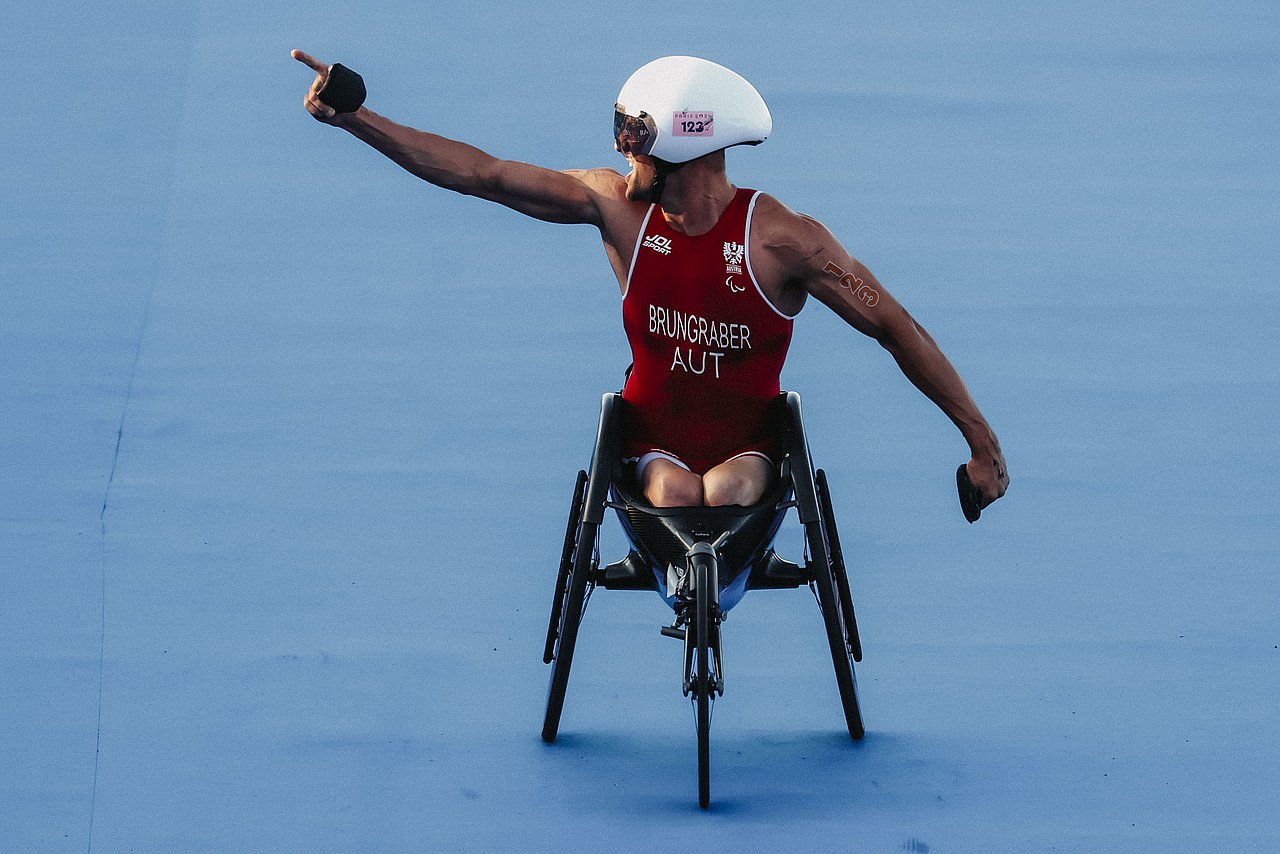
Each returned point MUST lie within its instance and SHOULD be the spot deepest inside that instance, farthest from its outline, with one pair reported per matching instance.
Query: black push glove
(969, 495)
(344, 90)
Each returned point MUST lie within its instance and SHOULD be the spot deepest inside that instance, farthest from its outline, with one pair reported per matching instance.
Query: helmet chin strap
(658, 185)
(661, 169)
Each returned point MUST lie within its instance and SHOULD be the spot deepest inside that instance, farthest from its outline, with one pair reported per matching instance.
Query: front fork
(684, 581)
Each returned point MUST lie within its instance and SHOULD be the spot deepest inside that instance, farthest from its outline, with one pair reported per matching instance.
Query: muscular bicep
(571, 197)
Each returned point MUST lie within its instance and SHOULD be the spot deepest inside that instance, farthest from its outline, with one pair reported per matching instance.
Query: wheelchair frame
(703, 550)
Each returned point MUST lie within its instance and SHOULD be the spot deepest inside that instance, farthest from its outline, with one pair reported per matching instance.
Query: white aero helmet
(679, 108)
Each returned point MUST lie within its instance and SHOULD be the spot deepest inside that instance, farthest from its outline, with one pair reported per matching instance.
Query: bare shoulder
(792, 241)
(808, 258)
(606, 182)
(609, 190)
(620, 217)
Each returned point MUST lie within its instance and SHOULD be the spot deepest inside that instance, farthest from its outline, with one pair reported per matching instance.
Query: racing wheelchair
(701, 560)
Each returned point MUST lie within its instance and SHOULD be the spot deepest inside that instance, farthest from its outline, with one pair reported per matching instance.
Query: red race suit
(707, 345)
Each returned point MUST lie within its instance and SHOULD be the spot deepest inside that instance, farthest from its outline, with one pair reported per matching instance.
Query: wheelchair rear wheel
(833, 617)
(566, 566)
(571, 604)
(838, 568)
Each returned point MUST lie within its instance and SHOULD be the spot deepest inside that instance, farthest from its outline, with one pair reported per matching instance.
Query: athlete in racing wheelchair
(712, 276)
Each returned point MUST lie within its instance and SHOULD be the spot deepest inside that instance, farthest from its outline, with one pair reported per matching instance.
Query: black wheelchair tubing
(570, 619)
(838, 567)
(562, 573)
(833, 621)
(604, 459)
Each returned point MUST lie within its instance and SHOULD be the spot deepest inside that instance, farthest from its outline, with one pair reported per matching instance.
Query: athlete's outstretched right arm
(532, 190)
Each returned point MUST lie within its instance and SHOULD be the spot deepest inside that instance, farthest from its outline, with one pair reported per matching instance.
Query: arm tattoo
(860, 290)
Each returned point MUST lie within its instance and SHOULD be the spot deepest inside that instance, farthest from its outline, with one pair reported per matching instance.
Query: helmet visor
(632, 135)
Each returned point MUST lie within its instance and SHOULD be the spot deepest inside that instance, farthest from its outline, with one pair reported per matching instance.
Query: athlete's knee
(675, 490)
(734, 488)
(740, 481)
(725, 494)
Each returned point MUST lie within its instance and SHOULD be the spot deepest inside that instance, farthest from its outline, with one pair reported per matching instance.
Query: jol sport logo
(658, 243)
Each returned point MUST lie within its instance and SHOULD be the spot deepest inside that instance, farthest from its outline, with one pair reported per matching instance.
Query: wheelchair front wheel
(705, 681)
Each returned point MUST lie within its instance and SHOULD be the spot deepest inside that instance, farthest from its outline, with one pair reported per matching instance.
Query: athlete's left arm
(815, 261)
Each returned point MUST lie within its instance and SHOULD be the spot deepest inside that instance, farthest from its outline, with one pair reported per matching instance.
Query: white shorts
(642, 462)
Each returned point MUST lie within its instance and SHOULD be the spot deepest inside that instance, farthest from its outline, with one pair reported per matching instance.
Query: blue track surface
(288, 437)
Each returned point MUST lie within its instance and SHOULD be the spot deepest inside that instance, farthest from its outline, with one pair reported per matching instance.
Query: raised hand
(317, 108)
